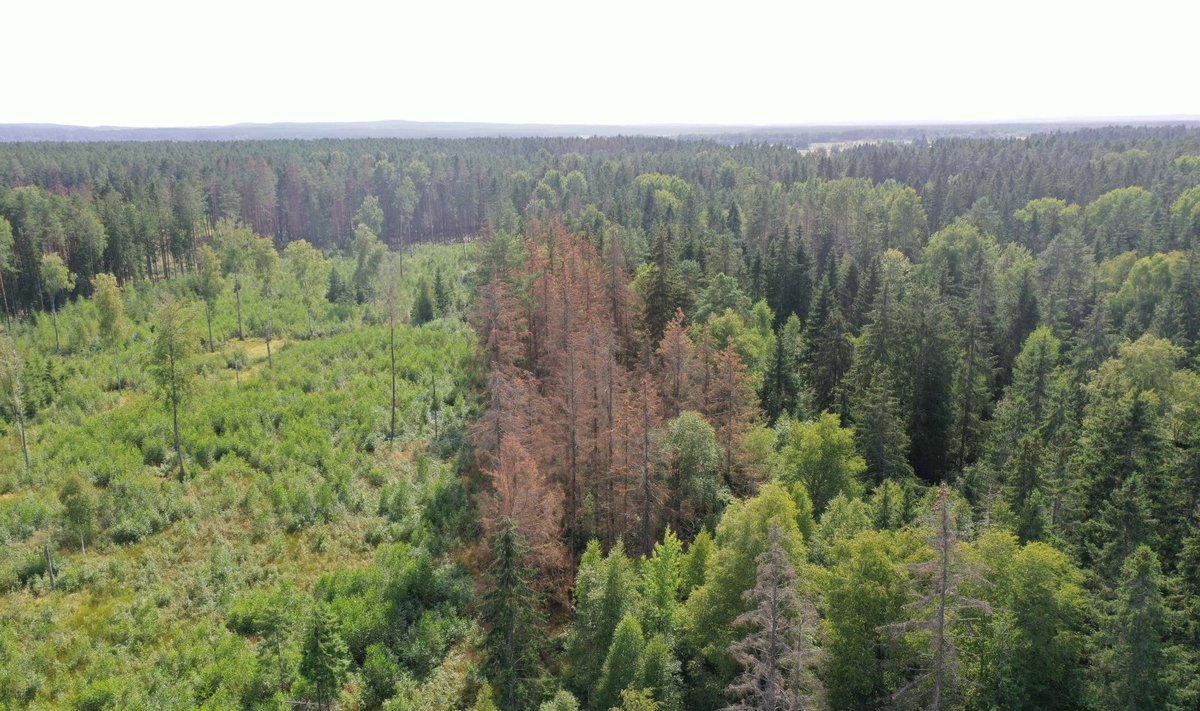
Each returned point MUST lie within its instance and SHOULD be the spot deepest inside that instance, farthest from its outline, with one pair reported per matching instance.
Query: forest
(601, 424)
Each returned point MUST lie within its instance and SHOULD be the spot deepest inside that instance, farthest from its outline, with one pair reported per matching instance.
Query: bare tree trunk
(50, 567)
(270, 319)
(237, 292)
(175, 419)
(117, 363)
(392, 350)
(208, 315)
(54, 318)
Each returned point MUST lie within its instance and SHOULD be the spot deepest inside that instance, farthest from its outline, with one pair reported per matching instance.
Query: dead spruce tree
(941, 605)
(777, 655)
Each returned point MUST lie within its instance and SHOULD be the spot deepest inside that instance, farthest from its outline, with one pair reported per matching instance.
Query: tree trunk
(237, 292)
(392, 349)
(208, 315)
(50, 567)
(178, 446)
(270, 318)
(18, 408)
(175, 420)
(54, 318)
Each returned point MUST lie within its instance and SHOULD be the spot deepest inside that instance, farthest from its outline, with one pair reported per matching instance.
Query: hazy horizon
(880, 123)
(135, 63)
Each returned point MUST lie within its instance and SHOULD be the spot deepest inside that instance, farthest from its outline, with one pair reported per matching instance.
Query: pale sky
(174, 63)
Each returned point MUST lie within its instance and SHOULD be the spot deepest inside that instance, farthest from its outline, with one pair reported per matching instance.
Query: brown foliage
(522, 495)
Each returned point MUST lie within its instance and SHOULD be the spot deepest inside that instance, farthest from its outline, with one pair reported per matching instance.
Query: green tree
(1132, 659)
(80, 506)
(368, 258)
(606, 591)
(1027, 654)
(637, 700)
(208, 283)
(307, 266)
(1122, 220)
(55, 278)
(561, 701)
(324, 658)
(821, 455)
(112, 316)
(236, 245)
(266, 268)
(511, 613)
(661, 580)
(370, 215)
(6, 260)
(695, 563)
(169, 363)
(879, 426)
(441, 292)
(620, 668)
(866, 596)
(659, 673)
(742, 535)
(693, 458)
(422, 310)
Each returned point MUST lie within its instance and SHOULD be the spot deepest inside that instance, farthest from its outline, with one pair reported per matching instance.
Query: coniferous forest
(596, 424)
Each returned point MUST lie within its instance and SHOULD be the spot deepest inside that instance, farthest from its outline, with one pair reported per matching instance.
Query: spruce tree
(510, 610)
(777, 653)
(621, 664)
(324, 657)
(1132, 659)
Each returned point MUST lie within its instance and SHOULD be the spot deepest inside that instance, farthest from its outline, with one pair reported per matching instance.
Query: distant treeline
(138, 210)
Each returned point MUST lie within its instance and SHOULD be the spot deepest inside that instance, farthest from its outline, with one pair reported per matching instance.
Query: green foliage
(324, 658)
(742, 535)
(510, 610)
(621, 664)
(661, 576)
(821, 455)
(1028, 651)
(867, 592)
(606, 591)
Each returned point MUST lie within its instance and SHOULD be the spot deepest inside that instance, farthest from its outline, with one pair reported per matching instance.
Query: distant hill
(798, 135)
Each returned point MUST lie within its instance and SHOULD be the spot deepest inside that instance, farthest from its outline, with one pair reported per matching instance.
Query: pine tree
(170, 364)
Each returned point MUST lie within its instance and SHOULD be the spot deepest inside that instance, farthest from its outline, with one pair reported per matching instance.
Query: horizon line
(874, 123)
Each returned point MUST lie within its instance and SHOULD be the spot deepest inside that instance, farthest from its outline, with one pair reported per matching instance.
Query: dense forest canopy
(662, 424)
